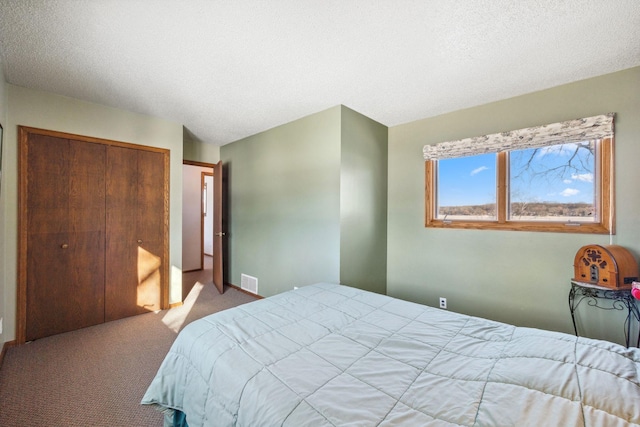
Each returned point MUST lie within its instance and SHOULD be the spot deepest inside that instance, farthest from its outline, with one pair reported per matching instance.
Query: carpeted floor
(96, 376)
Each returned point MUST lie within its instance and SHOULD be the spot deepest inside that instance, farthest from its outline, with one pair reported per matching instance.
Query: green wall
(516, 277)
(44, 110)
(363, 202)
(198, 151)
(306, 202)
(282, 204)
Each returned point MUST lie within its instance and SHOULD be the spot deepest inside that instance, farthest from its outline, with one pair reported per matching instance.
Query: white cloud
(567, 181)
(478, 170)
(584, 177)
(568, 192)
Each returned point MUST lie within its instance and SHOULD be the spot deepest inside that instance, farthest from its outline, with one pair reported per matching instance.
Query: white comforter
(330, 355)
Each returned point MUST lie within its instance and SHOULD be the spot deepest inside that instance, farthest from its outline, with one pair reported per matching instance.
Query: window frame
(604, 200)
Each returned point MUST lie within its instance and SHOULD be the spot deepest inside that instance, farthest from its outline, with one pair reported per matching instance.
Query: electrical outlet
(1, 318)
(443, 303)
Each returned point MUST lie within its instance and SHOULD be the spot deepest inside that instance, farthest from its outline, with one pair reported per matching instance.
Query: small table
(619, 299)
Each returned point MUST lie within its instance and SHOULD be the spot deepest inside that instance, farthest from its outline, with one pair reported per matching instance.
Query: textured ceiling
(230, 69)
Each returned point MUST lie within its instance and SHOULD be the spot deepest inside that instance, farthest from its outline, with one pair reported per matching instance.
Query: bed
(332, 355)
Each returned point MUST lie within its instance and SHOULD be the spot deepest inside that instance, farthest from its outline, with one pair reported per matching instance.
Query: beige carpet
(97, 376)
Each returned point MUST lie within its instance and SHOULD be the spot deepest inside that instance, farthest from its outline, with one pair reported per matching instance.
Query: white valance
(578, 130)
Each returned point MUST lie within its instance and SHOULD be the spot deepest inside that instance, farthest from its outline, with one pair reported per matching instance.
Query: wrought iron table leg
(627, 336)
(572, 294)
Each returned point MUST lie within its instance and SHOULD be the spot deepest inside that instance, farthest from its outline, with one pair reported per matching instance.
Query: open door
(218, 234)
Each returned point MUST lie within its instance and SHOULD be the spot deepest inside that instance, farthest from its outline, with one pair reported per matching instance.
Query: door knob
(64, 246)
(220, 234)
(139, 241)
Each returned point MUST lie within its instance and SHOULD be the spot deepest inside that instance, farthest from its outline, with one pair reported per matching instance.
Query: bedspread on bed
(331, 355)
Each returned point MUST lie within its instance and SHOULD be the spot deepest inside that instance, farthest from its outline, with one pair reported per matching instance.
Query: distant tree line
(539, 209)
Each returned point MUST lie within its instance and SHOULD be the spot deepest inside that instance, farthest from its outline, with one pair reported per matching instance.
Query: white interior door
(218, 234)
(208, 214)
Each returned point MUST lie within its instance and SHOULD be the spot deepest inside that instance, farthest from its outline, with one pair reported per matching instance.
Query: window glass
(466, 188)
(554, 183)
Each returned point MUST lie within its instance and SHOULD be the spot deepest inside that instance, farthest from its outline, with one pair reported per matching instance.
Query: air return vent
(249, 283)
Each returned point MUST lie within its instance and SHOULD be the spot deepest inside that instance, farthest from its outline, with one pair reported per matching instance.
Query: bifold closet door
(65, 217)
(134, 229)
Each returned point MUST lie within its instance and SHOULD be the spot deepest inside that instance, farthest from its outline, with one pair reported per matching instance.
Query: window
(466, 188)
(549, 178)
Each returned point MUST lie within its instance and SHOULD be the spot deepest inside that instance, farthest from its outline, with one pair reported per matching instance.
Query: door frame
(23, 136)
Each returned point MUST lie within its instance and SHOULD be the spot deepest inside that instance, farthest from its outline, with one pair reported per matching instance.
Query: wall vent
(249, 283)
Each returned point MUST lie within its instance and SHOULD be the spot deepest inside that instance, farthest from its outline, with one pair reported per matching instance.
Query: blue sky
(472, 180)
(467, 180)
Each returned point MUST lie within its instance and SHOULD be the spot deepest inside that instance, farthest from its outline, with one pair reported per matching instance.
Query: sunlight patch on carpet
(175, 318)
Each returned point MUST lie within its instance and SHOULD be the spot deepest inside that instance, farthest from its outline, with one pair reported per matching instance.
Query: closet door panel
(135, 231)
(65, 237)
(65, 290)
(47, 232)
(87, 165)
(47, 281)
(122, 194)
(121, 251)
(151, 195)
(86, 275)
(47, 185)
(121, 279)
(150, 226)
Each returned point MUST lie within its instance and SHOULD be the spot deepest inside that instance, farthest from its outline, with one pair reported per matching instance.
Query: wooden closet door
(150, 228)
(135, 233)
(65, 235)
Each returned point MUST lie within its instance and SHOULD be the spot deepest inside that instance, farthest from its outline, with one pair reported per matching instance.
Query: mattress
(332, 355)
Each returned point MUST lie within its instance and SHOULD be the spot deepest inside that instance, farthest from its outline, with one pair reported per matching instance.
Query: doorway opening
(197, 224)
